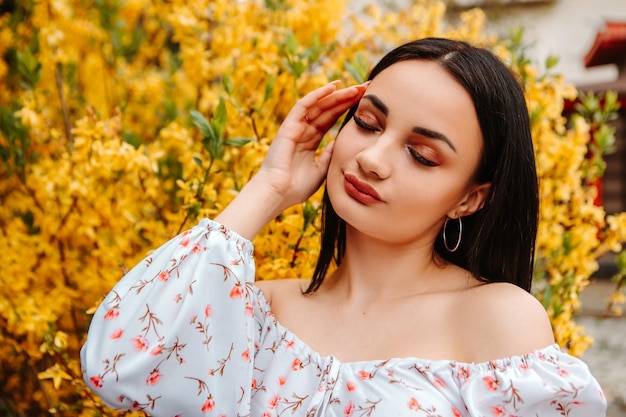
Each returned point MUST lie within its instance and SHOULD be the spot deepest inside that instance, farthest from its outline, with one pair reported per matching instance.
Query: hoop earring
(458, 241)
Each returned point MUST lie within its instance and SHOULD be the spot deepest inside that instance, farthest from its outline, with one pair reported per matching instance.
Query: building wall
(564, 28)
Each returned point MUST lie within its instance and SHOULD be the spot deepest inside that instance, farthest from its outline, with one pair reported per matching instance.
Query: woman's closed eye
(364, 125)
(421, 159)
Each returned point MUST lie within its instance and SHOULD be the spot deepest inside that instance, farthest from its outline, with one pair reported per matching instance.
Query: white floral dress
(186, 333)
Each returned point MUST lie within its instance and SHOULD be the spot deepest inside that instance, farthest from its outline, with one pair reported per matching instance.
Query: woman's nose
(375, 159)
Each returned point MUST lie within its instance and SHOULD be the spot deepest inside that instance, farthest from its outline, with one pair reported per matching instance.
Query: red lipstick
(361, 191)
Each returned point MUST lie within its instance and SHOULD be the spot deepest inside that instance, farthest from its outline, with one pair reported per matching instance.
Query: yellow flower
(56, 374)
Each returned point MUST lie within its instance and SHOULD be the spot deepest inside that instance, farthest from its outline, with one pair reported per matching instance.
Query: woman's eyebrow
(377, 103)
(433, 135)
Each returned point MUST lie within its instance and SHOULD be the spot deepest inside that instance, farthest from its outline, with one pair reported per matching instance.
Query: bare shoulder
(504, 320)
(278, 289)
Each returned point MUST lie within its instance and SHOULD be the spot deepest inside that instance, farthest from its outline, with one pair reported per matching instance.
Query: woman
(430, 214)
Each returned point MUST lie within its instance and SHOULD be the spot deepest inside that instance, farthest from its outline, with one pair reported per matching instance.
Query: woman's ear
(473, 201)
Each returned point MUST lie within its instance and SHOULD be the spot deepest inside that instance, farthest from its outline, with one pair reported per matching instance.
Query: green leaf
(298, 68)
(29, 68)
(309, 211)
(227, 82)
(218, 121)
(292, 43)
(237, 142)
(198, 161)
(551, 61)
(269, 88)
(202, 124)
(357, 68)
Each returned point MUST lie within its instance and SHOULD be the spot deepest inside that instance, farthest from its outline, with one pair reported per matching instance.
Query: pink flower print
(116, 334)
(296, 365)
(490, 383)
(207, 311)
(266, 415)
(96, 381)
(236, 292)
(140, 343)
(208, 405)
(439, 383)
(523, 367)
(281, 380)
(249, 310)
(273, 402)
(413, 404)
(193, 319)
(456, 412)
(351, 386)
(164, 276)
(498, 411)
(111, 314)
(196, 248)
(246, 355)
(157, 350)
(364, 375)
(154, 377)
(253, 384)
(290, 344)
(178, 298)
(563, 372)
(184, 243)
(463, 373)
(348, 410)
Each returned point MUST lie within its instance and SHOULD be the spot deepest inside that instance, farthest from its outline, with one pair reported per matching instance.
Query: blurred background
(122, 122)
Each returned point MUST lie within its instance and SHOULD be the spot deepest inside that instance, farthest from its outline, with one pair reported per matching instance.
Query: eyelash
(360, 123)
(420, 159)
(416, 155)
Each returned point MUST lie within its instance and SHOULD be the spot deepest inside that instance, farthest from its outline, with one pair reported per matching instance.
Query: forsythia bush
(124, 121)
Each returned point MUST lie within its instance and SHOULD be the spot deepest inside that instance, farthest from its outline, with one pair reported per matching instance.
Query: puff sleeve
(547, 383)
(175, 337)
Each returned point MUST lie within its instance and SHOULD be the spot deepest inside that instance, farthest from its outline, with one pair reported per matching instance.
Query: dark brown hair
(498, 241)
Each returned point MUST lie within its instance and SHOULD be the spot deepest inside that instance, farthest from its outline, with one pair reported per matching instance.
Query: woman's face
(407, 158)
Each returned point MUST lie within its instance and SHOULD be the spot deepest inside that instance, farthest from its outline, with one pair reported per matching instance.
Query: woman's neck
(374, 270)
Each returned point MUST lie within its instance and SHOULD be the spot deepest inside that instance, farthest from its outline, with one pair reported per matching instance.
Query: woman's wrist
(255, 206)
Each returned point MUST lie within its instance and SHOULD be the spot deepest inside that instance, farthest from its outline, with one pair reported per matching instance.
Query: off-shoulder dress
(187, 333)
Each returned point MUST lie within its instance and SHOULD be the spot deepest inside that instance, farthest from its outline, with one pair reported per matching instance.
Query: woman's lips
(361, 191)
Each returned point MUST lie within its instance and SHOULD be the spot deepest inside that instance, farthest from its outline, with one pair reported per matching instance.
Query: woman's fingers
(302, 106)
(324, 113)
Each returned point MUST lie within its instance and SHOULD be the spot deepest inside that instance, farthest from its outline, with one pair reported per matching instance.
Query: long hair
(498, 241)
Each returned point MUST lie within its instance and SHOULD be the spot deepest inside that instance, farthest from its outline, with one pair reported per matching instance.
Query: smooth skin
(416, 141)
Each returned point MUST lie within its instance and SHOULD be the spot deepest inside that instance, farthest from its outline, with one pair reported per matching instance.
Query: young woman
(430, 216)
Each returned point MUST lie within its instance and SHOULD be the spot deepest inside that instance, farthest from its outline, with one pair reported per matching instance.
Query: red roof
(609, 46)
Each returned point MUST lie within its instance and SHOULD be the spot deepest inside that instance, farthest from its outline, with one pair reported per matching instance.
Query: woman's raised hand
(291, 171)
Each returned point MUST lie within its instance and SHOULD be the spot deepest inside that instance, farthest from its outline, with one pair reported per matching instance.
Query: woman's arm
(177, 334)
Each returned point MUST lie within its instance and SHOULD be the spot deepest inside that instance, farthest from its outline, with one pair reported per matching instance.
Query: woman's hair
(498, 241)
